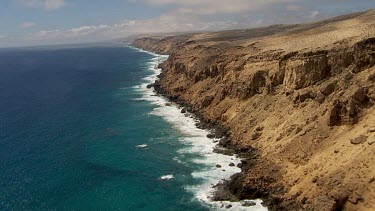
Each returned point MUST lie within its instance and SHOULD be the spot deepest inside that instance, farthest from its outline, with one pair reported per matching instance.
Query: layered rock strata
(293, 100)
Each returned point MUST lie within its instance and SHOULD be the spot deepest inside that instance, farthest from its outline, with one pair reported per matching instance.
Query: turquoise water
(69, 127)
(79, 130)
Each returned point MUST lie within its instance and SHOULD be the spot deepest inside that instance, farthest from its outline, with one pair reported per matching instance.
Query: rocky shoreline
(296, 103)
(233, 190)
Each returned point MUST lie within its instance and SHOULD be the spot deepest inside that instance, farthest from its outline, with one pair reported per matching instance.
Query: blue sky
(42, 22)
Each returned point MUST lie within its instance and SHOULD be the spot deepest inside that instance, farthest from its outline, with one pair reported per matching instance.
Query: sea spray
(216, 166)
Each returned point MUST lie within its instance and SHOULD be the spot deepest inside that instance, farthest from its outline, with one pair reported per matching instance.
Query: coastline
(306, 105)
(214, 144)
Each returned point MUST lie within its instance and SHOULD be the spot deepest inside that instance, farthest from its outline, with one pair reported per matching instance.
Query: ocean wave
(141, 146)
(217, 165)
(167, 177)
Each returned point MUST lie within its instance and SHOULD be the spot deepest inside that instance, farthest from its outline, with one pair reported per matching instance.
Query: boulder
(304, 95)
(224, 142)
(343, 112)
(360, 95)
(320, 97)
(248, 203)
(224, 151)
(359, 140)
(329, 89)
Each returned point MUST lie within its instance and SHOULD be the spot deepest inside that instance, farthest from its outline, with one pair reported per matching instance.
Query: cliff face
(302, 96)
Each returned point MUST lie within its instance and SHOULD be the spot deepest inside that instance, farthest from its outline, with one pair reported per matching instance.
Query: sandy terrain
(297, 100)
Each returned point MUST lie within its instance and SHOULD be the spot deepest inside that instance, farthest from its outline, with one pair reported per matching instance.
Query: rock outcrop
(310, 88)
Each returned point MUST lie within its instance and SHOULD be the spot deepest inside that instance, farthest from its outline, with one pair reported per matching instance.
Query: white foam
(141, 146)
(197, 142)
(167, 177)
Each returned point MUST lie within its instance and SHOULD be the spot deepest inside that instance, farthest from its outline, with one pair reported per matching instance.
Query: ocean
(79, 130)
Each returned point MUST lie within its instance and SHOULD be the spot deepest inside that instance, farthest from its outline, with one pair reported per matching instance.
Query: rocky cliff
(296, 101)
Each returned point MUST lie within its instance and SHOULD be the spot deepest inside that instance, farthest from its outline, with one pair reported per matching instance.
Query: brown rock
(371, 142)
(329, 89)
(355, 198)
(250, 81)
(305, 71)
(320, 97)
(289, 92)
(314, 180)
(343, 112)
(207, 101)
(360, 95)
(298, 129)
(260, 128)
(371, 77)
(256, 136)
(359, 140)
(303, 96)
(248, 204)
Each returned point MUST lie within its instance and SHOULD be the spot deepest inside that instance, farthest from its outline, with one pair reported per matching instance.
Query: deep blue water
(69, 125)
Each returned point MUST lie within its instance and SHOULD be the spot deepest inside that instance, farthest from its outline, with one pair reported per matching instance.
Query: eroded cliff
(298, 100)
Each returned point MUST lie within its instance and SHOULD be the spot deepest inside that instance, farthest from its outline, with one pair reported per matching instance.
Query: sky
(46, 22)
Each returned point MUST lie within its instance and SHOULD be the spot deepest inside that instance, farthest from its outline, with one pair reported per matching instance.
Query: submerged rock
(248, 203)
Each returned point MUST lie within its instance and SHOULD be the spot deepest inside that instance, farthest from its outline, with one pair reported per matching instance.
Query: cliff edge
(295, 100)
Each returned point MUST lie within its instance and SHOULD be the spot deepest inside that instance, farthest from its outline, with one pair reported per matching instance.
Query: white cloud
(26, 25)
(181, 16)
(206, 7)
(47, 5)
(161, 24)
